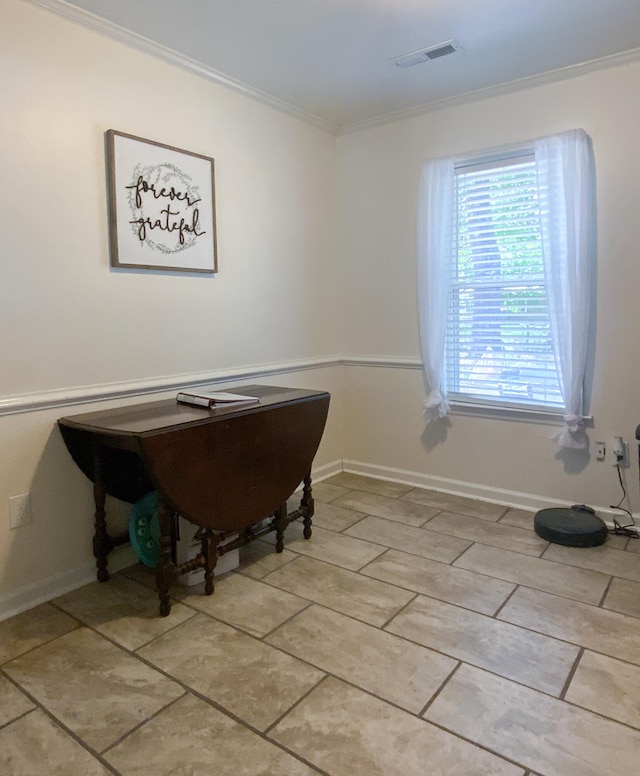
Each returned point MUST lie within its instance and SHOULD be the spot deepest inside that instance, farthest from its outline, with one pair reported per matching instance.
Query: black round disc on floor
(572, 527)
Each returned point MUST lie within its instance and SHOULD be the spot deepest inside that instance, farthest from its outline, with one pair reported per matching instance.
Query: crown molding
(509, 87)
(147, 46)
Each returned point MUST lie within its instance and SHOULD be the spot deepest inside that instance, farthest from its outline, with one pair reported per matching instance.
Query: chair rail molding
(63, 397)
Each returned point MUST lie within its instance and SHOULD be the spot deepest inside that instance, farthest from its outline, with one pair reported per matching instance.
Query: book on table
(215, 399)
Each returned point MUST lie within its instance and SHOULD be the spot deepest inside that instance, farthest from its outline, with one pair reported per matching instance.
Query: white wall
(68, 320)
(379, 171)
(296, 281)
(275, 177)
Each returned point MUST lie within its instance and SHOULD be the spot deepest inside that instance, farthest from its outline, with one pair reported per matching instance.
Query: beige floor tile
(597, 629)
(633, 545)
(438, 580)
(93, 687)
(35, 746)
(369, 484)
(257, 660)
(253, 680)
(579, 584)
(623, 596)
(389, 508)
(604, 559)
(520, 518)
(614, 542)
(507, 537)
(30, 629)
(344, 591)
(13, 703)
(191, 737)
(123, 610)
(534, 660)
(244, 602)
(408, 538)
(335, 518)
(141, 574)
(259, 559)
(459, 504)
(295, 500)
(293, 532)
(607, 686)
(345, 732)
(336, 548)
(392, 668)
(325, 492)
(543, 733)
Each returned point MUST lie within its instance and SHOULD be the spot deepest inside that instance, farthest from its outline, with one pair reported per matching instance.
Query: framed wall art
(161, 206)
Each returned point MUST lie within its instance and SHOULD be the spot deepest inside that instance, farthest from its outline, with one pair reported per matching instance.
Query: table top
(152, 417)
(223, 468)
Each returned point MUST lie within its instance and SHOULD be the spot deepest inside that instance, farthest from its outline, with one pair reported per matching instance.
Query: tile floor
(415, 633)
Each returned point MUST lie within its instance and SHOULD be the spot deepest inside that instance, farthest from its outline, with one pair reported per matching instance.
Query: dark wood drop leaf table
(228, 470)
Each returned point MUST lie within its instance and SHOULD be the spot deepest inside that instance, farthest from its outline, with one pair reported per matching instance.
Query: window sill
(511, 412)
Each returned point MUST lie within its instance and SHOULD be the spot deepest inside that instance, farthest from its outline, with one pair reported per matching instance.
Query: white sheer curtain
(565, 176)
(435, 245)
(564, 170)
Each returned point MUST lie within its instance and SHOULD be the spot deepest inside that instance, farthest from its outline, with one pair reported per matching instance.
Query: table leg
(308, 504)
(281, 521)
(101, 541)
(165, 569)
(210, 554)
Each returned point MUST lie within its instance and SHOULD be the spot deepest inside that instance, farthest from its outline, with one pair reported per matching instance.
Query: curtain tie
(572, 435)
(435, 406)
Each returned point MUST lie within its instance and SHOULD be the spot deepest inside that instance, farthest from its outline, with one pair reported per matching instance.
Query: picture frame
(161, 206)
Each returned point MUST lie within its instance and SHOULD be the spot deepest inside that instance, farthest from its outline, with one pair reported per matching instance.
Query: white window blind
(498, 344)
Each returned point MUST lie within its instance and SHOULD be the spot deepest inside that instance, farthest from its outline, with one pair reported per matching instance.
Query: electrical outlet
(601, 451)
(620, 450)
(19, 510)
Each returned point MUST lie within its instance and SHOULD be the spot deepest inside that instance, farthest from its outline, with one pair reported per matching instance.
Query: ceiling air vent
(426, 54)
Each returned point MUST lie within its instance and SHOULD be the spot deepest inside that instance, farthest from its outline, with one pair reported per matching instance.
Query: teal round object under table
(144, 529)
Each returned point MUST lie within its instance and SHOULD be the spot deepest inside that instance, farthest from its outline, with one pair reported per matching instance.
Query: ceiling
(328, 60)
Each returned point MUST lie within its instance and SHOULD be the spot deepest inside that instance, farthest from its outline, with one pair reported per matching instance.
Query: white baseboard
(511, 498)
(622, 519)
(40, 592)
(44, 590)
(326, 471)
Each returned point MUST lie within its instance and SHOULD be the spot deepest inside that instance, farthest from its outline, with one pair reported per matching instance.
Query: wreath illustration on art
(163, 202)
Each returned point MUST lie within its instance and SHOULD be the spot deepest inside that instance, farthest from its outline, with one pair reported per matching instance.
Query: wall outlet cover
(19, 510)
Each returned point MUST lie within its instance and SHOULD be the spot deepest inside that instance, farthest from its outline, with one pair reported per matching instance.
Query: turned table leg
(308, 505)
(210, 553)
(101, 542)
(165, 569)
(281, 521)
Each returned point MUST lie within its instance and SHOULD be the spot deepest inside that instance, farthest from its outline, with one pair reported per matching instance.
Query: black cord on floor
(622, 530)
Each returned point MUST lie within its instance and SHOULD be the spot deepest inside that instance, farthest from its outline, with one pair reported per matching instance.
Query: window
(498, 342)
(505, 249)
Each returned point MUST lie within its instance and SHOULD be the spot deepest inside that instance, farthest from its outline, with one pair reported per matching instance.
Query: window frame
(468, 403)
